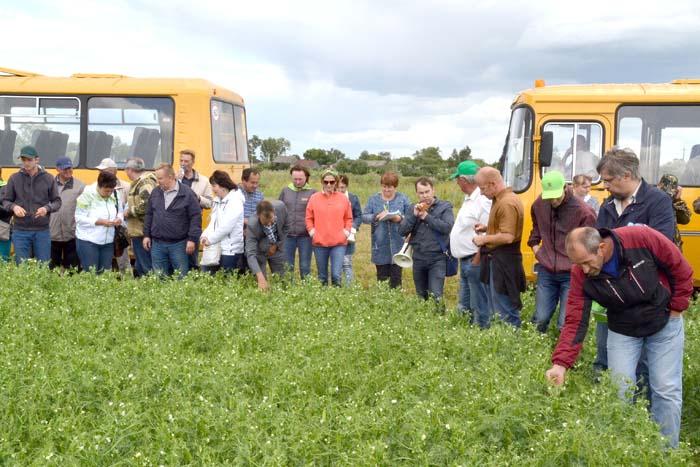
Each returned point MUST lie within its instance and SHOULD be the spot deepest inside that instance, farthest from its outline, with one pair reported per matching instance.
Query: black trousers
(64, 254)
(390, 272)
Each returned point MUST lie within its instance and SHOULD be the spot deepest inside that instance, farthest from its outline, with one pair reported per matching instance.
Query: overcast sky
(354, 75)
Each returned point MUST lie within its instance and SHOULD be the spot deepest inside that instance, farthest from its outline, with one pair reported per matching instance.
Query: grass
(208, 370)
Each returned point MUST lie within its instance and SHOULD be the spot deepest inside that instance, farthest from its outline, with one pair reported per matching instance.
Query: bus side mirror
(546, 147)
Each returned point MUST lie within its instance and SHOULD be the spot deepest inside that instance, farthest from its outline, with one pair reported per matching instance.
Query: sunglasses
(329, 182)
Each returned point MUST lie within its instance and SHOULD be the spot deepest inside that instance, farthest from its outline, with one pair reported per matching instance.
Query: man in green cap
(31, 195)
(555, 213)
(475, 210)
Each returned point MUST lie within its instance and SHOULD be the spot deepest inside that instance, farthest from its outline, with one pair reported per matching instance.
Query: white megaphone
(404, 258)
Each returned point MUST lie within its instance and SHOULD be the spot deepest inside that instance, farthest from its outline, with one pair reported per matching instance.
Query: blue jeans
(94, 256)
(230, 263)
(27, 242)
(335, 254)
(167, 256)
(664, 352)
(552, 289)
(472, 293)
(601, 344)
(429, 276)
(143, 264)
(303, 244)
(507, 310)
(5, 246)
(347, 269)
(193, 259)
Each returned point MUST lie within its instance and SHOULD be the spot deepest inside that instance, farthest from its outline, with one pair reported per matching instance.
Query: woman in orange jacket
(329, 221)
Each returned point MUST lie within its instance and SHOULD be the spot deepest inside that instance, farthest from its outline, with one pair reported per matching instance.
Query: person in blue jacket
(384, 211)
(632, 201)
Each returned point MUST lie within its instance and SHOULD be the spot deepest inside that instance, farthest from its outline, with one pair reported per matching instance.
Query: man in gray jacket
(265, 238)
(295, 197)
(31, 195)
(62, 223)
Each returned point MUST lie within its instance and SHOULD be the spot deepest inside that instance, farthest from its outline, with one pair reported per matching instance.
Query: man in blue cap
(62, 224)
(555, 213)
(31, 195)
(475, 210)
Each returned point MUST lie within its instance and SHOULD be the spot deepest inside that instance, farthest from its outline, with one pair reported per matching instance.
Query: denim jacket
(386, 240)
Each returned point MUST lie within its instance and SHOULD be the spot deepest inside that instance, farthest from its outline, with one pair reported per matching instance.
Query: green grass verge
(210, 371)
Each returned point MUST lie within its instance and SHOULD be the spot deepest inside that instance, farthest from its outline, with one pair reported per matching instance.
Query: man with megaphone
(429, 224)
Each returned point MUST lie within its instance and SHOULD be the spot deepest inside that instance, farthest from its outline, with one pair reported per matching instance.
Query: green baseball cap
(465, 168)
(28, 151)
(552, 185)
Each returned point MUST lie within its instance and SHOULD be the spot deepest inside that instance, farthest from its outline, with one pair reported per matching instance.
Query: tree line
(428, 160)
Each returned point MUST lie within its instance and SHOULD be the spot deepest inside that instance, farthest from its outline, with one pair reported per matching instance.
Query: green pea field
(103, 370)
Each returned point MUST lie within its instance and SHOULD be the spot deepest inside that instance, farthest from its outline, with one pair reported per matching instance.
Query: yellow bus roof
(681, 91)
(18, 82)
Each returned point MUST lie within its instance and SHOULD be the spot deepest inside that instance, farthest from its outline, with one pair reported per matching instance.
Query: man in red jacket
(555, 213)
(645, 283)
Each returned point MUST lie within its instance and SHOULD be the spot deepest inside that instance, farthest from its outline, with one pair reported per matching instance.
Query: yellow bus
(88, 117)
(569, 127)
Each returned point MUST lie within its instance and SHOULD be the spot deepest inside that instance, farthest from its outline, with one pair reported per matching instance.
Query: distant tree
(356, 167)
(323, 156)
(462, 155)
(319, 155)
(382, 156)
(272, 148)
(336, 155)
(253, 145)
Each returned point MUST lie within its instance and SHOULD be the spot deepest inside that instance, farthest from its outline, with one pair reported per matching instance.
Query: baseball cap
(107, 163)
(28, 151)
(135, 163)
(669, 184)
(552, 185)
(465, 168)
(63, 163)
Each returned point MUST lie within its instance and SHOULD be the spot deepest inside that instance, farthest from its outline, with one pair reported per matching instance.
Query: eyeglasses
(329, 182)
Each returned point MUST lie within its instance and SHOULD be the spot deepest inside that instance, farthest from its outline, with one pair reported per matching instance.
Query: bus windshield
(665, 137)
(517, 154)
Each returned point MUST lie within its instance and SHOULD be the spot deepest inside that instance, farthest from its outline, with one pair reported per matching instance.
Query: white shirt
(474, 210)
(631, 200)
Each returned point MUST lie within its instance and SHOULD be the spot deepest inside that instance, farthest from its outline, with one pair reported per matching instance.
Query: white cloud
(380, 75)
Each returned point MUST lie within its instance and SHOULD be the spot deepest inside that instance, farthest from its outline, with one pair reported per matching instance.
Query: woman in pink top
(328, 221)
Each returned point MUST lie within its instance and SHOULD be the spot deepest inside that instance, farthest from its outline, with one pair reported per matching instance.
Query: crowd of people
(619, 260)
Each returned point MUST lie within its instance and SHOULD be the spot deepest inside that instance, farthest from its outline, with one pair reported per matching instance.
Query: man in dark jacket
(295, 197)
(173, 223)
(645, 284)
(265, 237)
(32, 195)
(555, 213)
(62, 224)
(429, 223)
(632, 201)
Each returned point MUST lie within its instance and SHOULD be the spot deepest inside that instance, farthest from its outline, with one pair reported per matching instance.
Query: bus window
(124, 127)
(666, 138)
(517, 163)
(229, 137)
(577, 155)
(241, 133)
(50, 124)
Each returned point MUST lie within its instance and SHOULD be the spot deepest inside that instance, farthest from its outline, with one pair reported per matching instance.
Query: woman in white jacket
(96, 214)
(226, 221)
